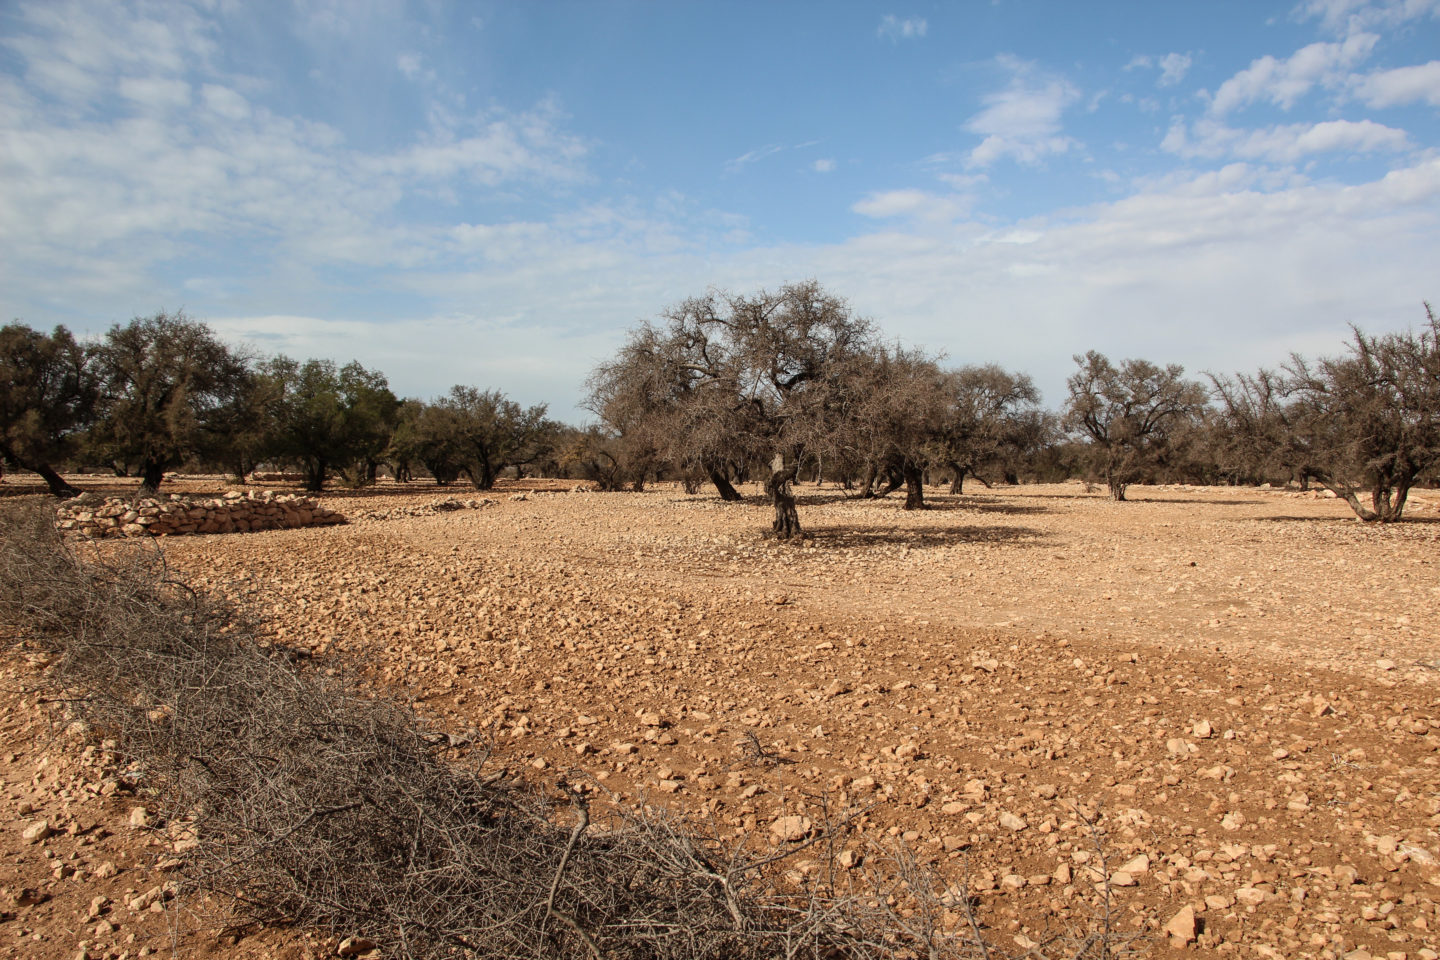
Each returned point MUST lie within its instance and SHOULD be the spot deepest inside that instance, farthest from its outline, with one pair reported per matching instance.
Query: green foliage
(325, 418)
(168, 384)
(484, 433)
(48, 393)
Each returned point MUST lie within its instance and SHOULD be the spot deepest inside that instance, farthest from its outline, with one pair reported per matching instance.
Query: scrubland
(1222, 702)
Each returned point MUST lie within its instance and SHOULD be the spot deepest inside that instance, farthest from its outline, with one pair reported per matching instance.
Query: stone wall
(91, 515)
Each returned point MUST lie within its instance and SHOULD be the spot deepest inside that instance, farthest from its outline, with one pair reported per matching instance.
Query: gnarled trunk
(867, 484)
(315, 471)
(787, 520)
(894, 477)
(57, 484)
(727, 491)
(914, 486)
(151, 473)
(1387, 501)
(957, 480)
(481, 474)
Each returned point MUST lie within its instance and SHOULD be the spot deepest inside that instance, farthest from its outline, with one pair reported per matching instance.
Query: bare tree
(989, 411)
(894, 408)
(1130, 415)
(732, 379)
(1364, 422)
(660, 395)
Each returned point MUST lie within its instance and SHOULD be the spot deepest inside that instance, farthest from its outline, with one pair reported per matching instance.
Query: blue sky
(493, 193)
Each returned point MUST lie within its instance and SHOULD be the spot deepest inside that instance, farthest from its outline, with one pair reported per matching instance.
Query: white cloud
(225, 102)
(1228, 269)
(823, 165)
(1023, 120)
(1283, 143)
(155, 93)
(963, 181)
(915, 204)
(123, 196)
(754, 156)
(1219, 271)
(1342, 17)
(1284, 82)
(77, 52)
(1393, 88)
(1173, 66)
(895, 29)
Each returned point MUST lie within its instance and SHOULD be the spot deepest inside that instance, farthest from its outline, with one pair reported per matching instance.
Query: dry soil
(1223, 700)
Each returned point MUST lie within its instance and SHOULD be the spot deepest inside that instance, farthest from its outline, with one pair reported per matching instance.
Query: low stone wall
(91, 515)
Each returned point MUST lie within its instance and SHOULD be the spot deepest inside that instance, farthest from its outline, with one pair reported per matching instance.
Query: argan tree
(486, 433)
(989, 412)
(890, 406)
(738, 378)
(666, 407)
(370, 412)
(165, 381)
(48, 392)
(1365, 422)
(606, 458)
(1130, 415)
(327, 418)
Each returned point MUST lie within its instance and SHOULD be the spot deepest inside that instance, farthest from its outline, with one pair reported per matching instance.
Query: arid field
(1223, 700)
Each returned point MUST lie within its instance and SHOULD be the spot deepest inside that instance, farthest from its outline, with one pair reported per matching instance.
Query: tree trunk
(315, 475)
(894, 478)
(957, 482)
(481, 475)
(151, 473)
(787, 520)
(1390, 508)
(867, 484)
(726, 489)
(57, 484)
(1387, 508)
(914, 487)
(1117, 490)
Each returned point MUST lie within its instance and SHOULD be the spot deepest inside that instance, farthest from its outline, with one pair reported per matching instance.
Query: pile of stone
(425, 509)
(91, 515)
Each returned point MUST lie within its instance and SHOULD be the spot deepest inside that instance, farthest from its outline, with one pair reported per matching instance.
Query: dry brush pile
(302, 800)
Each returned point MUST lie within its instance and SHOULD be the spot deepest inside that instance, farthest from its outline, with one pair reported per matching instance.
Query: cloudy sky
(493, 193)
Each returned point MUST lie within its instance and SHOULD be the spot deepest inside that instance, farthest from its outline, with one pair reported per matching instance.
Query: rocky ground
(1224, 701)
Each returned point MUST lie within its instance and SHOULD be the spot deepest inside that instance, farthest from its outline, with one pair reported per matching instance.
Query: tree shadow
(873, 535)
(1349, 519)
(973, 505)
(933, 501)
(1212, 501)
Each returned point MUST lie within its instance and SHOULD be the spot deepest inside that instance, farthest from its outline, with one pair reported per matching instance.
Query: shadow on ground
(851, 535)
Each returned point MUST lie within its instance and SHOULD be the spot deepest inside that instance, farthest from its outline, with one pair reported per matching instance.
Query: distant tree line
(771, 386)
(164, 392)
(775, 385)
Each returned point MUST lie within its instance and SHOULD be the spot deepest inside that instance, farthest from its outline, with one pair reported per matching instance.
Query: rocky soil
(1225, 701)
